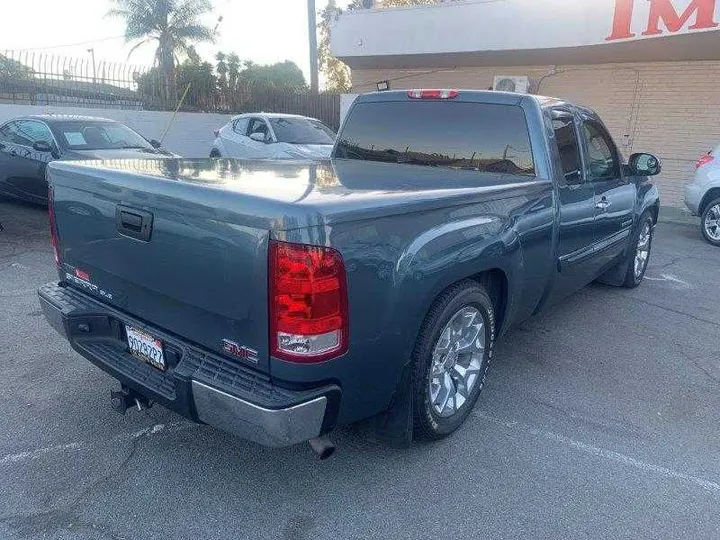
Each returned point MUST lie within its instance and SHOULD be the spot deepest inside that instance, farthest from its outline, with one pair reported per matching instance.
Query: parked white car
(273, 136)
(702, 195)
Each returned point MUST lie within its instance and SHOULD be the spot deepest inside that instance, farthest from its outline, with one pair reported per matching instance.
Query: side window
(11, 132)
(568, 148)
(602, 158)
(240, 126)
(33, 132)
(6, 132)
(258, 126)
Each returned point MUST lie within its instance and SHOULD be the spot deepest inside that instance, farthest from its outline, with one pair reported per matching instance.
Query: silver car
(273, 136)
(702, 195)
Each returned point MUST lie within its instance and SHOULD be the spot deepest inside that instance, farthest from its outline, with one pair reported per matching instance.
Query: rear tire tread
(426, 426)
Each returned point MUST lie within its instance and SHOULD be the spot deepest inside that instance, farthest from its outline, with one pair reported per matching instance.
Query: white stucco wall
(504, 25)
(346, 100)
(191, 134)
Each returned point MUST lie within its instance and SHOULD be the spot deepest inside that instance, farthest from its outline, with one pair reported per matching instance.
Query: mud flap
(394, 427)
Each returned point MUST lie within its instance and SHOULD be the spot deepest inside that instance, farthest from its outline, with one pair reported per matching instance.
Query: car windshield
(302, 131)
(469, 136)
(81, 135)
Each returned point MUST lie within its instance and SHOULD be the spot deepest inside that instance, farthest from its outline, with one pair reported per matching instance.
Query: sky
(264, 31)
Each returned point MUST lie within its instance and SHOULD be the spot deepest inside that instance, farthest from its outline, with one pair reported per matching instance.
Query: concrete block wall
(190, 135)
(671, 109)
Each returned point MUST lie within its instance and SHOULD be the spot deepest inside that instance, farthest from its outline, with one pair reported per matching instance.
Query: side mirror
(43, 146)
(155, 143)
(644, 165)
(257, 136)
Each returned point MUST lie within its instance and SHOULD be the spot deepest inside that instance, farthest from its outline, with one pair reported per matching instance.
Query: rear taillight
(216, 133)
(53, 228)
(708, 158)
(308, 303)
(432, 94)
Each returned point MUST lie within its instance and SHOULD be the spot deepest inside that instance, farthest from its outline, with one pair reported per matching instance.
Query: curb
(678, 216)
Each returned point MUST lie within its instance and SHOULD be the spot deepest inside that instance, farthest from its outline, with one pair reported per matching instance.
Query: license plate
(145, 347)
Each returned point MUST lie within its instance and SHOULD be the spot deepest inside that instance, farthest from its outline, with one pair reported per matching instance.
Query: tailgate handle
(134, 223)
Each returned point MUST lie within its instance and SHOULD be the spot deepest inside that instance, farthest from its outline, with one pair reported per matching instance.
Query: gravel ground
(599, 420)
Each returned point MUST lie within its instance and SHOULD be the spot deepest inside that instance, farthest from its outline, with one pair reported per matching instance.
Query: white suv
(702, 195)
(273, 136)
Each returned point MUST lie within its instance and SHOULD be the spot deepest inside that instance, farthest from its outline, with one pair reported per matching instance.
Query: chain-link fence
(42, 79)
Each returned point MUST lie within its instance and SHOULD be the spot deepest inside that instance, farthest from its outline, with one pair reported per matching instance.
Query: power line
(89, 42)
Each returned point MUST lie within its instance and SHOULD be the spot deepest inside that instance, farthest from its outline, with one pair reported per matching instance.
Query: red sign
(662, 11)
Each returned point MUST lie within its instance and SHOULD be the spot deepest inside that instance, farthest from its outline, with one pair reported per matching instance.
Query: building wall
(190, 135)
(671, 109)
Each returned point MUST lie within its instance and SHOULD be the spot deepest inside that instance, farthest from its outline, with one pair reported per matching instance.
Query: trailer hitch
(125, 398)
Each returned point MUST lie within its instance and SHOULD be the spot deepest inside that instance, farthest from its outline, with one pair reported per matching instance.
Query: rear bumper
(198, 384)
(693, 196)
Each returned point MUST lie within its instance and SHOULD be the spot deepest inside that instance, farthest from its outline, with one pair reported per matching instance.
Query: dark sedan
(29, 143)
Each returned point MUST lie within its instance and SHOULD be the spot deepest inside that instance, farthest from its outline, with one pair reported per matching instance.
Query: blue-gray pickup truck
(278, 300)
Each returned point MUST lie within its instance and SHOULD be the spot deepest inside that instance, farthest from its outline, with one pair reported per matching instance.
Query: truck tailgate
(175, 256)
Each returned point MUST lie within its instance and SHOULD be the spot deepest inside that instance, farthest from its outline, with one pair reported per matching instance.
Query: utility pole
(92, 53)
(312, 33)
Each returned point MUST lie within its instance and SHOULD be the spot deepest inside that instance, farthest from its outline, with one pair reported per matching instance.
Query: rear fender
(448, 253)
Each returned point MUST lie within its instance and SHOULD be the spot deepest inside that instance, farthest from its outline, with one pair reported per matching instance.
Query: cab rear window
(468, 136)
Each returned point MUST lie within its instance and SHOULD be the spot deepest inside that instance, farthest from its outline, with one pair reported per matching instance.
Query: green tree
(234, 66)
(174, 25)
(337, 74)
(222, 69)
(280, 75)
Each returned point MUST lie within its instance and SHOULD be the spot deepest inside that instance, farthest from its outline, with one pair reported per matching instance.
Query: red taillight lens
(708, 158)
(432, 94)
(53, 228)
(308, 303)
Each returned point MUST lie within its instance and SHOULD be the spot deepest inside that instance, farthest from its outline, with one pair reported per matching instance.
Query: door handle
(603, 204)
(134, 222)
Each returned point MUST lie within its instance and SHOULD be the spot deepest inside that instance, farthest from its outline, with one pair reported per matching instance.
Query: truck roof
(479, 96)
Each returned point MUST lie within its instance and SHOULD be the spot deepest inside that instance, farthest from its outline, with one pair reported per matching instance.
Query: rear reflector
(308, 303)
(432, 94)
(704, 161)
(53, 228)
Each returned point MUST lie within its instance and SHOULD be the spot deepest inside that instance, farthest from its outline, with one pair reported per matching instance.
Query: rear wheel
(710, 222)
(215, 153)
(639, 256)
(451, 359)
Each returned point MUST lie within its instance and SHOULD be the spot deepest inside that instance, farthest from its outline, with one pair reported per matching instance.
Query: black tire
(215, 153)
(710, 213)
(428, 424)
(633, 278)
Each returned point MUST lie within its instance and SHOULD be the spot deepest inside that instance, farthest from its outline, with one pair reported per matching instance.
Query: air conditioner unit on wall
(509, 83)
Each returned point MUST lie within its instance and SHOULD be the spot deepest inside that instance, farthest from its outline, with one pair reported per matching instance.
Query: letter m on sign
(663, 10)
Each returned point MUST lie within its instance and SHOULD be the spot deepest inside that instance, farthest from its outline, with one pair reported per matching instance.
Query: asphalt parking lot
(600, 420)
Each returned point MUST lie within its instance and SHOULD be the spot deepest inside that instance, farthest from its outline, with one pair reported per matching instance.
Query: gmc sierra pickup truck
(278, 300)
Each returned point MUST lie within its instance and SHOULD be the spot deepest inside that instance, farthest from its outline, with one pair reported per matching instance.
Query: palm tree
(173, 24)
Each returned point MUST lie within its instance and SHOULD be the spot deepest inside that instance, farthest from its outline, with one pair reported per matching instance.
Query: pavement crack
(678, 312)
(706, 372)
(667, 265)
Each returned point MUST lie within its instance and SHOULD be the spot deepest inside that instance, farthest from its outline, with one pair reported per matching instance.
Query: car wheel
(214, 153)
(451, 359)
(710, 222)
(640, 253)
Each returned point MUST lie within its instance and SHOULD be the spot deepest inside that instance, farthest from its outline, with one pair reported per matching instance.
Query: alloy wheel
(643, 250)
(712, 223)
(456, 361)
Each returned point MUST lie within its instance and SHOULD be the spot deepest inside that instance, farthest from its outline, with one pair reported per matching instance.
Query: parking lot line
(604, 453)
(74, 446)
